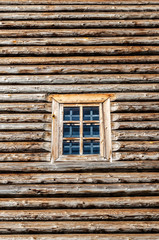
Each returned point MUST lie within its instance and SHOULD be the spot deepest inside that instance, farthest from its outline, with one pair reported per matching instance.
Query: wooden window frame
(98, 99)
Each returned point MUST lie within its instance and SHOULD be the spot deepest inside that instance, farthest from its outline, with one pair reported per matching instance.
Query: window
(81, 127)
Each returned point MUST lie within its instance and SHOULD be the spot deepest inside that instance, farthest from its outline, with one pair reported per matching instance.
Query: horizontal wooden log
(84, 68)
(80, 215)
(134, 156)
(137, 97)
(134, 117)
(82, 202)
(77, 79)
(136, 125)
(73, 7)
(112, 32)
(23, 97)
(25, 107)
(77, 60)
(25, 136)
(25, 127)
(134, 107)
(82, 166)
(129, 189)
(149, 87)
(127, 96)
(82, 236)
(78, 24)
(79, 15)
(12, 147)
(25, 118)
(26, 157)
(79, 227)
(146, 40)
(136, 146)
(147, 135)
(81, 50)
(59, 2)
(50, 178)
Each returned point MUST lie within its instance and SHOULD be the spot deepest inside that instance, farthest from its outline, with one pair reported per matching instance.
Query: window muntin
(81, 124)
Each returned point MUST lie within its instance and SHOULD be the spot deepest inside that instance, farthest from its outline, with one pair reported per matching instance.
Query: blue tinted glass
(70, 147)
(91, 147)
(90, 113)
(71, 130)
(71, 113)
(90, 130)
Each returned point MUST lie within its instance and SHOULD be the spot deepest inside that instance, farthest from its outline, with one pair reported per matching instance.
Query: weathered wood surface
(25, 108)
(78, 8)
(79, 227)
(80, 215)
(79, 46)
(146, 125)
(23, 97)
(77, 60)
(77, 79)
(25, 118)
(25, 156)
(135, 116)
(136, 135)
(154, 87)
(25, 136)
(79, 203)
(77, 166)
(80, 32)
(60, 190)
(99, 41)
(24, 145)
(81, 50)
(133, 107)
(80, 23)
(136, 146)
(80, 15)
(59, 2)
(135, 156)
(107, 236)
(42, 97)
(37, 178)
(25, 127)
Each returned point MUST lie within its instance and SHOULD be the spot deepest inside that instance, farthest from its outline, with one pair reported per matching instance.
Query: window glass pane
(91, 147)
(90, 113)
(71, 114)
(70, 147)
(90, 130)
(71, 130)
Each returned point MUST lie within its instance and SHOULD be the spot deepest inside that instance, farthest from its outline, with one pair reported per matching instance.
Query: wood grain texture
(76, 7)
(80, 32)
(107, 236)
(80, 203)
(80, 215)
(76, 166)
(97, 41)
(94, 178)
(61, 190)
(22, 24)
(78, 79)
(76, 46)
(80, 50)
(59, 2)
(79, 227)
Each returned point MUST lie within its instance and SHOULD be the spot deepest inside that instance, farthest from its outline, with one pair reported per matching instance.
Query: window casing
(81, 127)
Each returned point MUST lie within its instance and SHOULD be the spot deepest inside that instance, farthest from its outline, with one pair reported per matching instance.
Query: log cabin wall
(78, 46)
